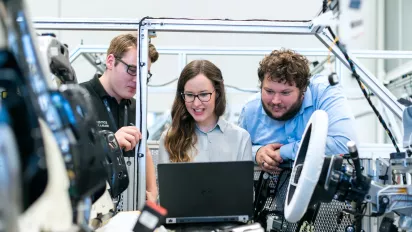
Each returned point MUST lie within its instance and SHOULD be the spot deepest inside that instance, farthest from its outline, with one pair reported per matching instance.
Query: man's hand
(268, 157)
(128, 137)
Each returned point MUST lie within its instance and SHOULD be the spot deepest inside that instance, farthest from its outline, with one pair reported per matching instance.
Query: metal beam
(92, 60)
(230, 26)
(74, 54)
(223, 26)
(85, 24)
(367, 78)
(141, 118)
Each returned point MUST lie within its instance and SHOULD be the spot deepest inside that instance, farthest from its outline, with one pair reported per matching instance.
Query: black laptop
(206, 192)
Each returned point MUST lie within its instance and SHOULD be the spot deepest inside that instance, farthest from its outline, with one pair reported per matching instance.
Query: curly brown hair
(181, 136)
(285, 66)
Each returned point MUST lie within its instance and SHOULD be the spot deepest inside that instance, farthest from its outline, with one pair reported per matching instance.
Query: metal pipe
(85, 24)
(141, 115)
(252, 26)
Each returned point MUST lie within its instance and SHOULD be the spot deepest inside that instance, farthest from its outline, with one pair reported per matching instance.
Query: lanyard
(109, 111)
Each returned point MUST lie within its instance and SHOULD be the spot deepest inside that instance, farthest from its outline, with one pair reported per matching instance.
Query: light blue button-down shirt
(225, 142)
(320, 95)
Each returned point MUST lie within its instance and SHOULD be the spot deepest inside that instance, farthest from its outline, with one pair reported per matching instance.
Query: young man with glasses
(112, 96)
(199, 132)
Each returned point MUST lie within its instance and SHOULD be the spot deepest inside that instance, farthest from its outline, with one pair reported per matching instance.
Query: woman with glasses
(198, 132)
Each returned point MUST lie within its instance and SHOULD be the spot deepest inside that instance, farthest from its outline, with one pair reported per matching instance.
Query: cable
(324, 6)
(350, 162)
(361, 85)
(386, 174)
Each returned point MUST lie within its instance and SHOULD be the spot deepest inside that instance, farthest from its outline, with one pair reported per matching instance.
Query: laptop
(206, 192)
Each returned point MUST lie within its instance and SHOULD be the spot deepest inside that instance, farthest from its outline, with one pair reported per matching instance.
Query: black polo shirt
(122, 114)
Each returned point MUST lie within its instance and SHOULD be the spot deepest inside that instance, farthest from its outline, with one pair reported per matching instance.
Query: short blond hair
(121, 44)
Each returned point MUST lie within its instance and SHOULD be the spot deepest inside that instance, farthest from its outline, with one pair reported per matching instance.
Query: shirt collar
(221, 125)
(98, 87)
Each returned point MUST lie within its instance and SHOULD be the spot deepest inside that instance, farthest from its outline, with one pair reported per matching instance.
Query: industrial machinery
(318, 178)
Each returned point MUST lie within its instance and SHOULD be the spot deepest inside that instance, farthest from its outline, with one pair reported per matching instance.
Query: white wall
(237, 71)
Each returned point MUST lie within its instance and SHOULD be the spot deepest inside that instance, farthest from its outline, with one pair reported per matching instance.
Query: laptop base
(241, 218)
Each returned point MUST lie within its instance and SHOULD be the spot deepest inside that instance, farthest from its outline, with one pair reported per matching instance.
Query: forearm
(341, 122)
(288, 151)
(336, 145)
(150, 174)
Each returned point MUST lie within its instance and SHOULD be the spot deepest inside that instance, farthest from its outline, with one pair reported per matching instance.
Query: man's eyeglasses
(131, 69)
(203, 97)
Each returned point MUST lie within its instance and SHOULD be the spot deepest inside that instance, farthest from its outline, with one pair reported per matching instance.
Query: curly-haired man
(276, 117)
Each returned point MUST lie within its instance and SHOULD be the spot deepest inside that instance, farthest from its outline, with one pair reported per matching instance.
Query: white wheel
(307, 166)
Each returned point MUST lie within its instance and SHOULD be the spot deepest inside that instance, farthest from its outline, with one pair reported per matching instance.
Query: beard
(293, 110)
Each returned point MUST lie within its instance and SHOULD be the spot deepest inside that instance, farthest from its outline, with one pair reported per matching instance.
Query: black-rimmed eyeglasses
(203, 97)
(131, 69)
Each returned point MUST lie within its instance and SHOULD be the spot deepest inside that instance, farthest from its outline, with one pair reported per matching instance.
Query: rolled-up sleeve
(341, 127)
(340, 123)
(289, 151)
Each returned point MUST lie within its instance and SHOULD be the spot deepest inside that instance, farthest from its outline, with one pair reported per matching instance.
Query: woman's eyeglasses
(203, 97)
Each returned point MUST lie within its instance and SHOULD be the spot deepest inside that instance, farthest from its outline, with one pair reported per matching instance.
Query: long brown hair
(181, 136)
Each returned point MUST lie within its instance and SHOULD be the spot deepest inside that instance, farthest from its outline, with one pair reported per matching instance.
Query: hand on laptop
(268, 157)
(151, 197)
